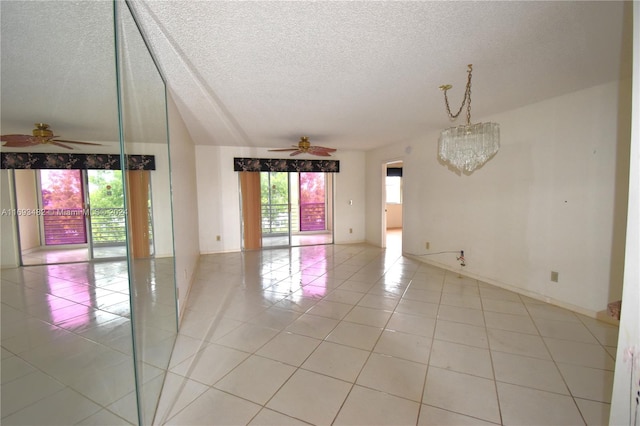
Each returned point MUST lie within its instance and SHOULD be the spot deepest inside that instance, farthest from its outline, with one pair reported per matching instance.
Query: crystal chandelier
(468, 146)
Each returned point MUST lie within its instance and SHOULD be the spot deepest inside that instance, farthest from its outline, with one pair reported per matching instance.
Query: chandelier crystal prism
(468, 146)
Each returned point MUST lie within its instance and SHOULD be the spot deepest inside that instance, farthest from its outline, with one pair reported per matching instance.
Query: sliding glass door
(295, 209)
(314, 209)
(275, 209)
(78, 216)
(107, 220)
(312, 202)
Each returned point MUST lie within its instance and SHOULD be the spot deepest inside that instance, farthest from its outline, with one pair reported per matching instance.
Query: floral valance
(30, 160)
(288, 165)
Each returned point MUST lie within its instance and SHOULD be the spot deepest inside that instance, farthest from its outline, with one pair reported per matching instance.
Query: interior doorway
(392, 206)
(70, 215)
(295, 209)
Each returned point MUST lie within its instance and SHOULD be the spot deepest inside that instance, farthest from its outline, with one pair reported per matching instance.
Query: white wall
(350, 198)
(548, 201)
(624, 390)
(219, 198)
(185, 203)
(27, 198)
(394, 216)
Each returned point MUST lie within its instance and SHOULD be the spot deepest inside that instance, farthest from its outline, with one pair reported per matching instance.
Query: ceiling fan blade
(325, 148)
(23, 144)
(60, 144)
(321, 151)
(284, 149)
(19, 141)
(296, 152)
(82, 143)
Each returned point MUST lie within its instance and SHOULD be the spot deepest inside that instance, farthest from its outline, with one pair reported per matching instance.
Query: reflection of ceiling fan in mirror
(41, 135)
(305, 147)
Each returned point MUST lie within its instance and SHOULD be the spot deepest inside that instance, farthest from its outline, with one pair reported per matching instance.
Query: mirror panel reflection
(151, 255)
(89, 321)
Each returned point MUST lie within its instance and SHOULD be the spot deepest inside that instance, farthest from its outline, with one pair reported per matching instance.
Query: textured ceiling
(54, 60)
(365, 74)
(351, 75)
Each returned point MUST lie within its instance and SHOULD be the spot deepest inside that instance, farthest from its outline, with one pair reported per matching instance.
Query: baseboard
(204, 253)
(350, 242)
(546, 299)
(605, 317)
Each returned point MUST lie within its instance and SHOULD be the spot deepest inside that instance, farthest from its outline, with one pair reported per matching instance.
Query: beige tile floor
(352, 334)
(67, 355)
(335, 334)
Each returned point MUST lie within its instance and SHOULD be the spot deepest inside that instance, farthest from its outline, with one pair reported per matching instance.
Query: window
(394, 189)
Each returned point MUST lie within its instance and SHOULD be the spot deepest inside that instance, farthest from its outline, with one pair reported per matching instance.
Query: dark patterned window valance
(279, 165)
(30, 160)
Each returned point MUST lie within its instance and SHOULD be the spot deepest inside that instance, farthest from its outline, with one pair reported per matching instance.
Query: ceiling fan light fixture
(468, 146)
(304, 144)
(42, 131)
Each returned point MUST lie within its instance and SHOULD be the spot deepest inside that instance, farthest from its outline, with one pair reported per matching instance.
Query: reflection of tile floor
(66, 341)
(47, 256)
(352, 334)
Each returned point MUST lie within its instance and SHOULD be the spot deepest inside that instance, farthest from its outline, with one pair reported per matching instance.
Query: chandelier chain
(469, 98)
(465, 100)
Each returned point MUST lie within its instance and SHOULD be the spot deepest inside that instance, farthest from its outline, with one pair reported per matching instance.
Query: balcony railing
(67, 226)
(108, 226)
(275, 219)
(64, 226)
(312, 217)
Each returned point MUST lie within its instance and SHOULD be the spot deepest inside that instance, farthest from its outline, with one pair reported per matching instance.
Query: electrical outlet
(427, 245)
(217, 237)
(554, 276)
(351, 230)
